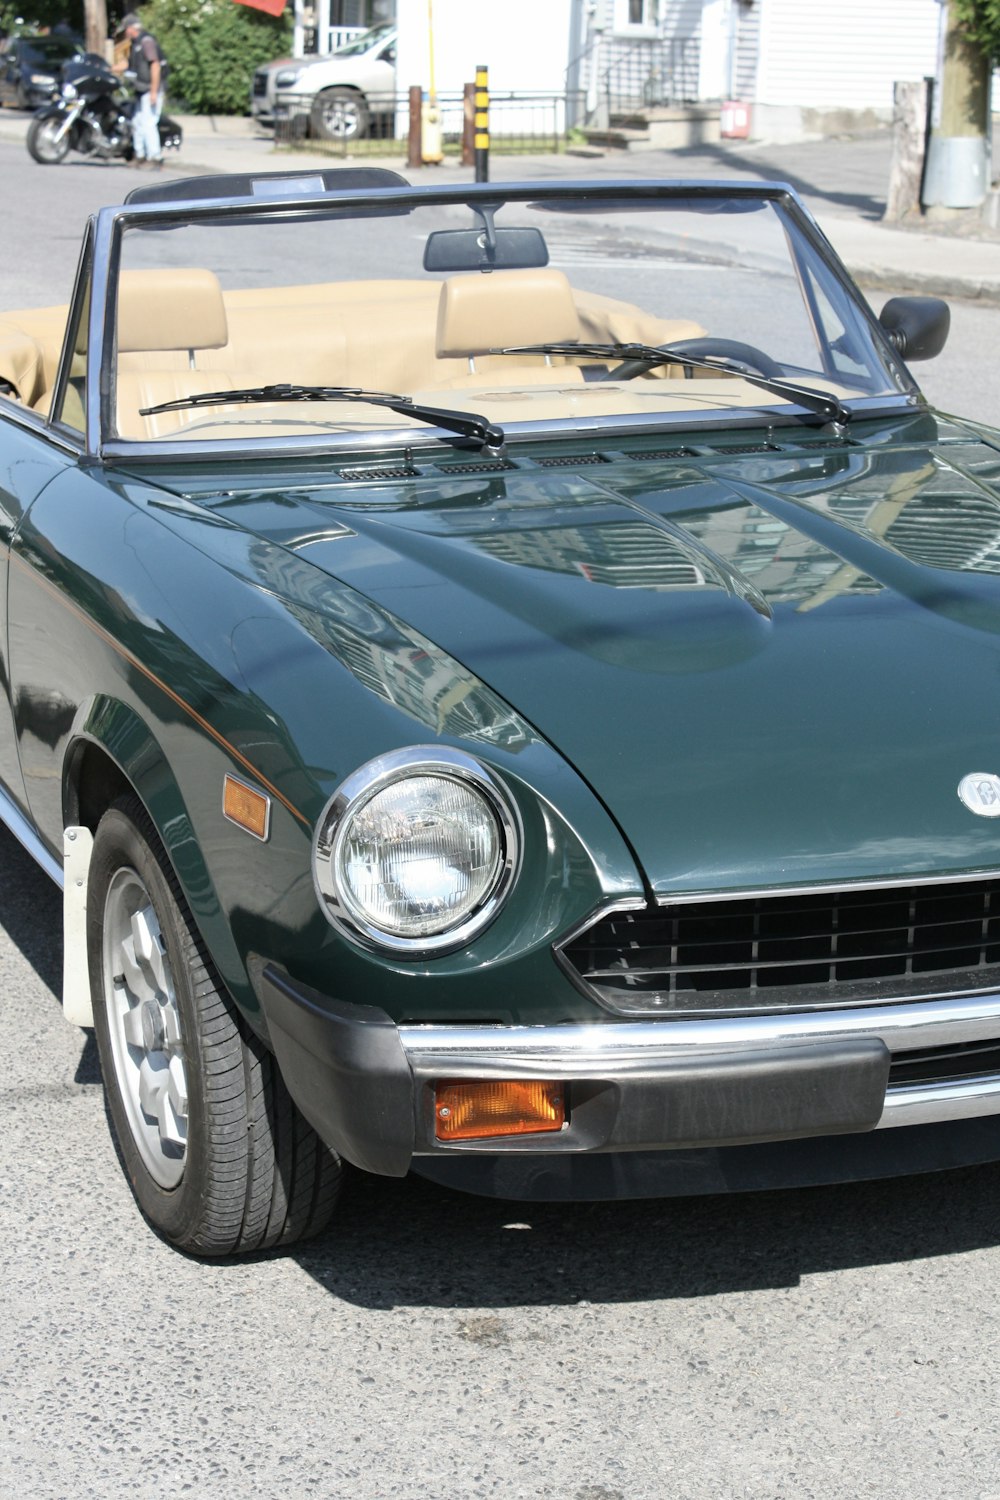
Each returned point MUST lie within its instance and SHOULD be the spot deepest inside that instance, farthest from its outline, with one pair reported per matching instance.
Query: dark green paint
(722, 671)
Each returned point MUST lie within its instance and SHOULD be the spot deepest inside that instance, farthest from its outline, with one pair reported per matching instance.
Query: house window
(637, 17)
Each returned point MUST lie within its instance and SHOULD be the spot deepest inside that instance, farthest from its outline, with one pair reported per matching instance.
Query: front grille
(942, 1064)
(259, 84)
(851, 947)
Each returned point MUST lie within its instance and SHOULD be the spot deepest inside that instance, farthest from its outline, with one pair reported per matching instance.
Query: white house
(804, 66)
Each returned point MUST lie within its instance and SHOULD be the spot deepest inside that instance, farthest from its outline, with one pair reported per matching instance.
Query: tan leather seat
(165, 318)
(170, 311)
(21, 364)
(501, 309)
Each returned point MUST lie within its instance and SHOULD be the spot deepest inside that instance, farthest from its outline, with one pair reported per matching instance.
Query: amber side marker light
(470, 1111)
(245, 807)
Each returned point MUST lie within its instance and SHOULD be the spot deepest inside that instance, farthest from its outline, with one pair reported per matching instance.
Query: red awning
(273, 7)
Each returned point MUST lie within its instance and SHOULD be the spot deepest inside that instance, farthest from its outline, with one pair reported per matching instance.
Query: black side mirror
(917, 326)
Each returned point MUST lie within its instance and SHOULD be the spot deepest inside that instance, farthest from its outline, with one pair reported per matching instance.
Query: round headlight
(416, 851)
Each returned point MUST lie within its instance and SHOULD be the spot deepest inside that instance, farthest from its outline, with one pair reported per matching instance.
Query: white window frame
(648, 26)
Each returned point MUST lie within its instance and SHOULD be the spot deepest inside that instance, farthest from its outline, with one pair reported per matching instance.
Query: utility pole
(957, 174)
(95, 26)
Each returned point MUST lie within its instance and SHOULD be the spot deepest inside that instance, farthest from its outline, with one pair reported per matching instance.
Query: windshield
(533, 310)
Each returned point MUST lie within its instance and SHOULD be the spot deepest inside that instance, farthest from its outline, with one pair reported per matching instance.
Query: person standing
(145, 60)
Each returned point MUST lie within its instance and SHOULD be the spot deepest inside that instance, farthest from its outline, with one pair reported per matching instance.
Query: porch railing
(651, 74)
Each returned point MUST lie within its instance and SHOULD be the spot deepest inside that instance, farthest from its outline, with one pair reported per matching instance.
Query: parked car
(340, 95)
(510, 702)
(31, 68)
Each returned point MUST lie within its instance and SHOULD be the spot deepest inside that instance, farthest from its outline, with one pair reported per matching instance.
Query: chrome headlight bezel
(357, 791)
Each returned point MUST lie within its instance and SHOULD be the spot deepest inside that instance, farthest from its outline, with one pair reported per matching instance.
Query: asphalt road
(830, 1343)
(43, 210)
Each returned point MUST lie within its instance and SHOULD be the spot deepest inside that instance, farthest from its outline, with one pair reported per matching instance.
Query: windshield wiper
(824, 406)
(467, 424)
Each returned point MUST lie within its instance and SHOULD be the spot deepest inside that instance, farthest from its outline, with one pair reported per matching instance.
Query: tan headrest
(176, 309)
(502, 308)
(20, 363)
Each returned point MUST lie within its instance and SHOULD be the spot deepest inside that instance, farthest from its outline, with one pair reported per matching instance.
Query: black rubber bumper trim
(345, 1067)
(780, 1093)
(347, 1071)
(706, 1099)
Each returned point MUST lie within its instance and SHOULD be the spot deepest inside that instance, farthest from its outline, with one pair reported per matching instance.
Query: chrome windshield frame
(111, 224)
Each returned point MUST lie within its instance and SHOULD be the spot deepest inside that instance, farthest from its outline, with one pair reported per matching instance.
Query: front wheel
(219, 1158)
(45, 145)
(339, 115)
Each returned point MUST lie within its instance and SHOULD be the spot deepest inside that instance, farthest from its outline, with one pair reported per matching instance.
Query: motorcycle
(91, 113)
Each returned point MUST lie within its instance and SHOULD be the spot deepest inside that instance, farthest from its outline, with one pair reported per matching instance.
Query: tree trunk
(95, 23)
(958, 151)
(909, 141)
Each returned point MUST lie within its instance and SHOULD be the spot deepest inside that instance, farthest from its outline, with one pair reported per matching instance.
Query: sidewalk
(842, 181)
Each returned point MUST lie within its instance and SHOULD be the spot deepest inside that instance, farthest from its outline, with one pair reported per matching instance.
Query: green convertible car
(503, 677)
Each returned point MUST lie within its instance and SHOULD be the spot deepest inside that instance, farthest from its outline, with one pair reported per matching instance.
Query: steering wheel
(726, 348)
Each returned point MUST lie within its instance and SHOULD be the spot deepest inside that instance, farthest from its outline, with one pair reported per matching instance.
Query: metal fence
(519, 122)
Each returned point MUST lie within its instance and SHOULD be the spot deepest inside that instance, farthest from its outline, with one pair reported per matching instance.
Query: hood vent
(724, 452)
(665, 453)
(572, 460)
(365, 474)
(484, 466)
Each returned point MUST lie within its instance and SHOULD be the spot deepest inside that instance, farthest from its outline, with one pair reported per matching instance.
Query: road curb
(957, 288)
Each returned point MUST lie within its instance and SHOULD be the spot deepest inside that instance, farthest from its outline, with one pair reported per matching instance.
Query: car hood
(772, 666)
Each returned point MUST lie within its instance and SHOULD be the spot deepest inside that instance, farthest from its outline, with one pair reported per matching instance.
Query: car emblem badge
(980, 791)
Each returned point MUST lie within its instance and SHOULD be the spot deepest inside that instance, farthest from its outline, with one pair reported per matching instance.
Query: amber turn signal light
(249, 809)
(467, 1111)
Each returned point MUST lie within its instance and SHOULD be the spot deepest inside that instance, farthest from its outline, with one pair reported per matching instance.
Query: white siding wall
(843, 54)
(524, 43)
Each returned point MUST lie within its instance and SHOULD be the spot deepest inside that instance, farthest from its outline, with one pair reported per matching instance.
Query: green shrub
(982, 21)
(213, 47)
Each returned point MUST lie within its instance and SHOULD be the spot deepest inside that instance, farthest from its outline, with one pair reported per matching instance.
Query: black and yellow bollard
(482, 136)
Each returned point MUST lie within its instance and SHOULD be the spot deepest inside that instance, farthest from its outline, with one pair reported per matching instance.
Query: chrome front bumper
(368, 1085)
(614, 1050)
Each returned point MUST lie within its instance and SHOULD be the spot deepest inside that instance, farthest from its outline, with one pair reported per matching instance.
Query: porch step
(618, 137)
(659, 128)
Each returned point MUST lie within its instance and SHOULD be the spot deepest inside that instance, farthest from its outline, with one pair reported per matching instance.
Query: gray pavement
(842, 180)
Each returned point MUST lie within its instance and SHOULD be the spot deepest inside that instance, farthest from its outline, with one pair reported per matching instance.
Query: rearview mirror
(470, 250)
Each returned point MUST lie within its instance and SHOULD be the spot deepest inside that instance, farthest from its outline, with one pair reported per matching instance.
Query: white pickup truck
(341, 92)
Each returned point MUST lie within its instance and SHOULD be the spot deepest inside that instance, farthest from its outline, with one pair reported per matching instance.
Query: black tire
(339, 115)
(226, 1163)
(41, 142)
